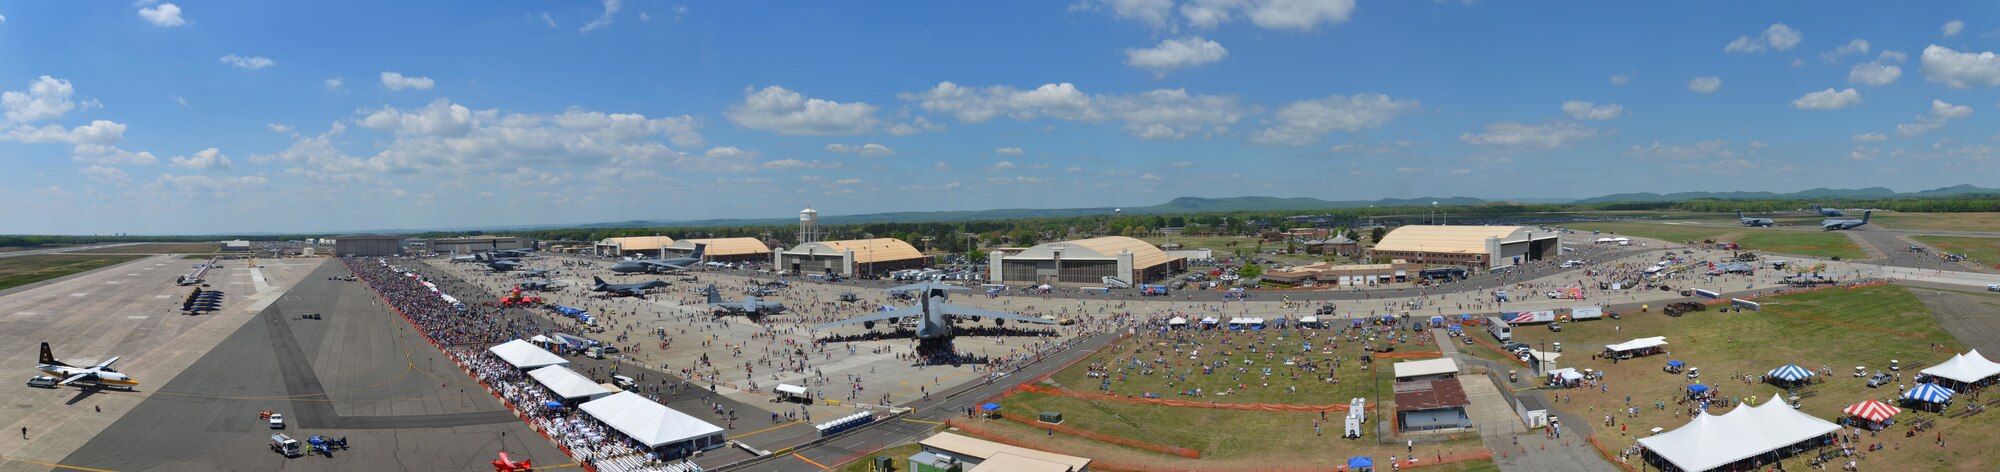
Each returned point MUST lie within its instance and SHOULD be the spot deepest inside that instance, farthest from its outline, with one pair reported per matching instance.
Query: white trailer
(1586, 312)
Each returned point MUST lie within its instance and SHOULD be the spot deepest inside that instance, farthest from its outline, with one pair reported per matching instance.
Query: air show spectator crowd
(444, 322)
(587, 439)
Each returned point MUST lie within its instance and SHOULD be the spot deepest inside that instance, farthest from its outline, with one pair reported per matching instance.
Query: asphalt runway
(358, 373)
(1971, 317)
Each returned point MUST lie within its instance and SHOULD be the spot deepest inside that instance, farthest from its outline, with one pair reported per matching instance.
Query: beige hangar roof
(866, 251)
(724, 246)
(1444, 239)
(1144, 255)
(639, 243)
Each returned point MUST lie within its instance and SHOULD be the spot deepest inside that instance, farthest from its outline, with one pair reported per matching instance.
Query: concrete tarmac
(360, 372)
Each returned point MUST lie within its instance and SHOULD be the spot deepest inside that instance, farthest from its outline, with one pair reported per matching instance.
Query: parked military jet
(625, 290)
(540, 285)
(1752, 222)
(661, 265)
(934, 316)
(534, 273)
(1837, 224)
(1829, 212)
(100, 375)
(750, 306)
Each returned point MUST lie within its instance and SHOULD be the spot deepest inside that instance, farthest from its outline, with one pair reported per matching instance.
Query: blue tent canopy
(1790, 373)
(1359, 462)
(1464, 317)
(1930, 393)
(553, 404)
(1455, 328)
(1437, 319)
(1675, 363)
(1697, 388)
(990, 407)
(1388, 318)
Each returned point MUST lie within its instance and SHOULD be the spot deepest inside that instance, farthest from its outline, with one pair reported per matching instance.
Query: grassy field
(1836, 329)
(866, 463)
(153, 248)
(1983, 251)
(1935, 221)
(1826, 244)
(1246, 355)
(1225, 437)
(1661, 231)
(23, 270)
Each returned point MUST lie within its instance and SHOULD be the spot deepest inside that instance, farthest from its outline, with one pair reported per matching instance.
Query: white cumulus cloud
(207, 159)
(1939, 114)
(1623, 79)
(1705, 84)
(1874, 74)
(1778, 37)
(1295, 15)
(1828, 99)
(1008, 151)
(333, 83)
(1515, 135)
(1305, 122)
(250, 62)
(1156, 114)
(1853, 46)
(1870, 138)
(165, 14)
(865, 150)
(1960, 69)
(398, 81)
(1583, 110)
(106, 174)
(1951, 28)
(917, 125)
(46, 98)
(611, 8)
(1175, 53)
(777, 109)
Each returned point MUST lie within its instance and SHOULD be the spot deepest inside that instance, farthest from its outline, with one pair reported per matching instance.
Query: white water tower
(808, 226)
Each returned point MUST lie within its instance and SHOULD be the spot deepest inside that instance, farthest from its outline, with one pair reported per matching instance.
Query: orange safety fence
(1406, 355)
(1608, 456)
(1181, 403)
(1453, 458)
(1109, 438)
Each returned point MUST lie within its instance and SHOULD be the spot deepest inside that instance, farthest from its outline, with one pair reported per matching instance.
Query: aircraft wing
(956, 310)
(106, 364)
(73, 378)
(898, 313)
(924, 287)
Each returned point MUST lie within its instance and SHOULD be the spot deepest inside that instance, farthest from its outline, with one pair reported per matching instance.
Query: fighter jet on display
(540, 285)
(1752, 222)
(661, 265)
(750, 306)
(625, 290)
(534, 273)
(465, 258)
(100, 375)
(934, 316)
(1836, 224)
(503, 265)
(1828, 212)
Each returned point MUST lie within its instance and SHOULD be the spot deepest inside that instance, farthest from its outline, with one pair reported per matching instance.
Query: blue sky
(156, 117)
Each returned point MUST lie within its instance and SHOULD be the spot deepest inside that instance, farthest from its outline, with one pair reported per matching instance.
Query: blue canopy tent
(1929, 393)
(1437, 321)
(990, 407)
(1675, 363)
(1360, 462)
(1696, 390)
(1455, 328)
(553, 404)
(1789, 374)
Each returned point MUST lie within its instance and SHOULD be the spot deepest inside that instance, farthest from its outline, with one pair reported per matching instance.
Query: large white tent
(1637, 344)
(567, 383)
(1439, 366)
(651, 423)
(1711, 441)
(526, 355)
(1969, 367)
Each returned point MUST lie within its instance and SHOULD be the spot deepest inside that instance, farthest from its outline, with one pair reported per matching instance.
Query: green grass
(1983, 251)
(1836, 328)
(1312, 390)
(901, 454)
(1989, 222)
(1660, 231)
(23, 270)
(1804, 243)
(155, 249)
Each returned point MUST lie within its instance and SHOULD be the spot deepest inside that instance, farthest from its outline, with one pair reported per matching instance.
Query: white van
(1993, 287)
(42, 381)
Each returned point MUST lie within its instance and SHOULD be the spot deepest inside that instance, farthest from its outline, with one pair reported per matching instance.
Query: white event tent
(567, 383)
(1966, 368)
(526, 355)
(1712, 441)
(1637, 344)
(651, 423)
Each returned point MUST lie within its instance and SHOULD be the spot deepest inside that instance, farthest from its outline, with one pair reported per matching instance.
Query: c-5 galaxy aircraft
(661, 265)
(1836, 224)
(1828, 212)
(1752, 222)
(750, 306)
(934, 316)
(625, 290)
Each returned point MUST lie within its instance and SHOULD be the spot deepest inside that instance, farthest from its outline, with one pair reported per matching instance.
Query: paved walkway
(1500, 428)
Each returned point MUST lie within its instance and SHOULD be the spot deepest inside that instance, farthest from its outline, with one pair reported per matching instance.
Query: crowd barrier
(1608, 455)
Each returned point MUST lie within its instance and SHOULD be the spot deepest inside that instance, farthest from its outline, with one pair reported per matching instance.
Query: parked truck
(1585, 313)
(286, 446)
(1525, 317)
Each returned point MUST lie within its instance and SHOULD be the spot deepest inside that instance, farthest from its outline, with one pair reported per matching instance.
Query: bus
(1500, 329)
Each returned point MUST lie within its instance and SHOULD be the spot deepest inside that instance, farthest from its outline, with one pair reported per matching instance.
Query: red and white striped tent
(1872, 410)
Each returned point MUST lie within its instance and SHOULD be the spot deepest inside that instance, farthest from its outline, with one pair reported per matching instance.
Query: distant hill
(1870, 192)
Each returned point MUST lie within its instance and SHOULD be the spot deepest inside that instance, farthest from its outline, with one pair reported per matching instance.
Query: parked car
(1557, 327)
(277, 421)
(1880, 379)
(42, 381)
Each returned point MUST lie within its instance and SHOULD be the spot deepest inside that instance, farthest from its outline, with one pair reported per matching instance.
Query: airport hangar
(473, 244)
(633, 246)
(1484, 247)
(723, 249)
(368, 245)
(1086, 261)
(849, 258)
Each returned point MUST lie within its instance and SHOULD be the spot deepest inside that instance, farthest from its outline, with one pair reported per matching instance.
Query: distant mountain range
(1204, 205)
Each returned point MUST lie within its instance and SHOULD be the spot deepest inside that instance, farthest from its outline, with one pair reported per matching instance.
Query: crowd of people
(445, 322)
(585, 438)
